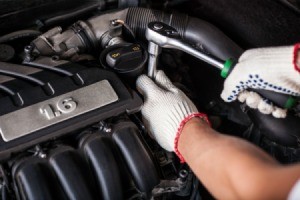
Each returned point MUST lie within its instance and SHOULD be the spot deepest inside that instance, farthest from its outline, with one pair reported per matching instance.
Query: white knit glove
(265, 68)
(166, 109)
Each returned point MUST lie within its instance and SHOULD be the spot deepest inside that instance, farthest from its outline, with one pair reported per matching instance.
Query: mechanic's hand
(166, 109)
(265, 68)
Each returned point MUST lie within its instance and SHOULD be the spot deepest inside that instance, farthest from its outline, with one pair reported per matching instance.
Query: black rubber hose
(46, 86)
(22, 76)
(285, 132)
(19, 34)
(75, 14)
(197, 32)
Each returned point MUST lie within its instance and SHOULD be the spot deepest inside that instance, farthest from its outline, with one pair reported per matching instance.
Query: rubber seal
(227, 67)
(291, 102)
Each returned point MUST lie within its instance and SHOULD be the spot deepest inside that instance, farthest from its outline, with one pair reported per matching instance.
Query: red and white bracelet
(179, 131)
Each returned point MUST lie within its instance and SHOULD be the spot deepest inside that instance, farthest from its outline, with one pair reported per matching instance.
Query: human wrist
(194, 123)
(190, 123)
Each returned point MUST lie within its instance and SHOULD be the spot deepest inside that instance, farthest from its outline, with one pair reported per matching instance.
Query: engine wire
(7, 90)
(126, 26)
(22, 76)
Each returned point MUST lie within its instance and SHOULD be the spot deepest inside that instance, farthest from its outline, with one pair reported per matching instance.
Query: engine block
(70, 105)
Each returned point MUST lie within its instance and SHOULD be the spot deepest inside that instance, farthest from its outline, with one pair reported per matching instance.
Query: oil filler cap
(125, 58)
(128, 59)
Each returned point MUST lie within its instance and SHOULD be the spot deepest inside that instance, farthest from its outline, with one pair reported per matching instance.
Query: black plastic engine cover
(137, 156)
(33, 96)
(73, 174)
(105, 167)
(36, 180)
(92, 169)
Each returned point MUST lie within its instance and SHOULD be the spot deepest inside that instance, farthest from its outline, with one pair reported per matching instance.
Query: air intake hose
(86, 36)
(197, 32)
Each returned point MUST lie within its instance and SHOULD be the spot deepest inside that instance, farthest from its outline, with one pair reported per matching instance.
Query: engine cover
(69, 107)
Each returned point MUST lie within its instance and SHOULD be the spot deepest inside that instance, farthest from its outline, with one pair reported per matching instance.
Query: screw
(107, 130)
(42, 155)
(183, 174)
(113, 22)
(28, 49)
(28, 53)
(39, 152)
(157, 26)
(104, 127)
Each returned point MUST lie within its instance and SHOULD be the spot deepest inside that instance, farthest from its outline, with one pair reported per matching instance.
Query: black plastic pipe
(137, 157)
(100, 5)
(197, 32)
(19, 34)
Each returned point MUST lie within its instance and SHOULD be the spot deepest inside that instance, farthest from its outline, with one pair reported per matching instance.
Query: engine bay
(70, 120)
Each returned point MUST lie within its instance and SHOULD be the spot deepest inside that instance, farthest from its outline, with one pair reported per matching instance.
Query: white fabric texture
(295, 192)
(165, 106)
(255, 101)
(263, 68)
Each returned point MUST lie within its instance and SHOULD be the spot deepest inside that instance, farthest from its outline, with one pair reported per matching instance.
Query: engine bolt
(103, 126)
(28, 53)
(183, 174)
(42, 155)
(157, 26)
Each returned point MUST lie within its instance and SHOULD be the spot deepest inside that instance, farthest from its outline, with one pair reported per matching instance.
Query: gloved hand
(265, 68)
(166, 109)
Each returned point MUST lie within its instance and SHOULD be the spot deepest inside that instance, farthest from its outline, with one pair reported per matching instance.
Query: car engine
(70, 120)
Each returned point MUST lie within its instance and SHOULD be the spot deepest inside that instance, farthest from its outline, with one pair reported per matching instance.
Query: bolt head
(43, 155)
(183, 173)
(158, 27)
(28, 49)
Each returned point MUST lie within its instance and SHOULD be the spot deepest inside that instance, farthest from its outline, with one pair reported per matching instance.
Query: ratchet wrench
(161, 35)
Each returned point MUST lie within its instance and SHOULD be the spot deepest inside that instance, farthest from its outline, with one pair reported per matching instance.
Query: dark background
(250, 23)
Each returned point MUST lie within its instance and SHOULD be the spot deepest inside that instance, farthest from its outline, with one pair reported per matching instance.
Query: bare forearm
(232, 168)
